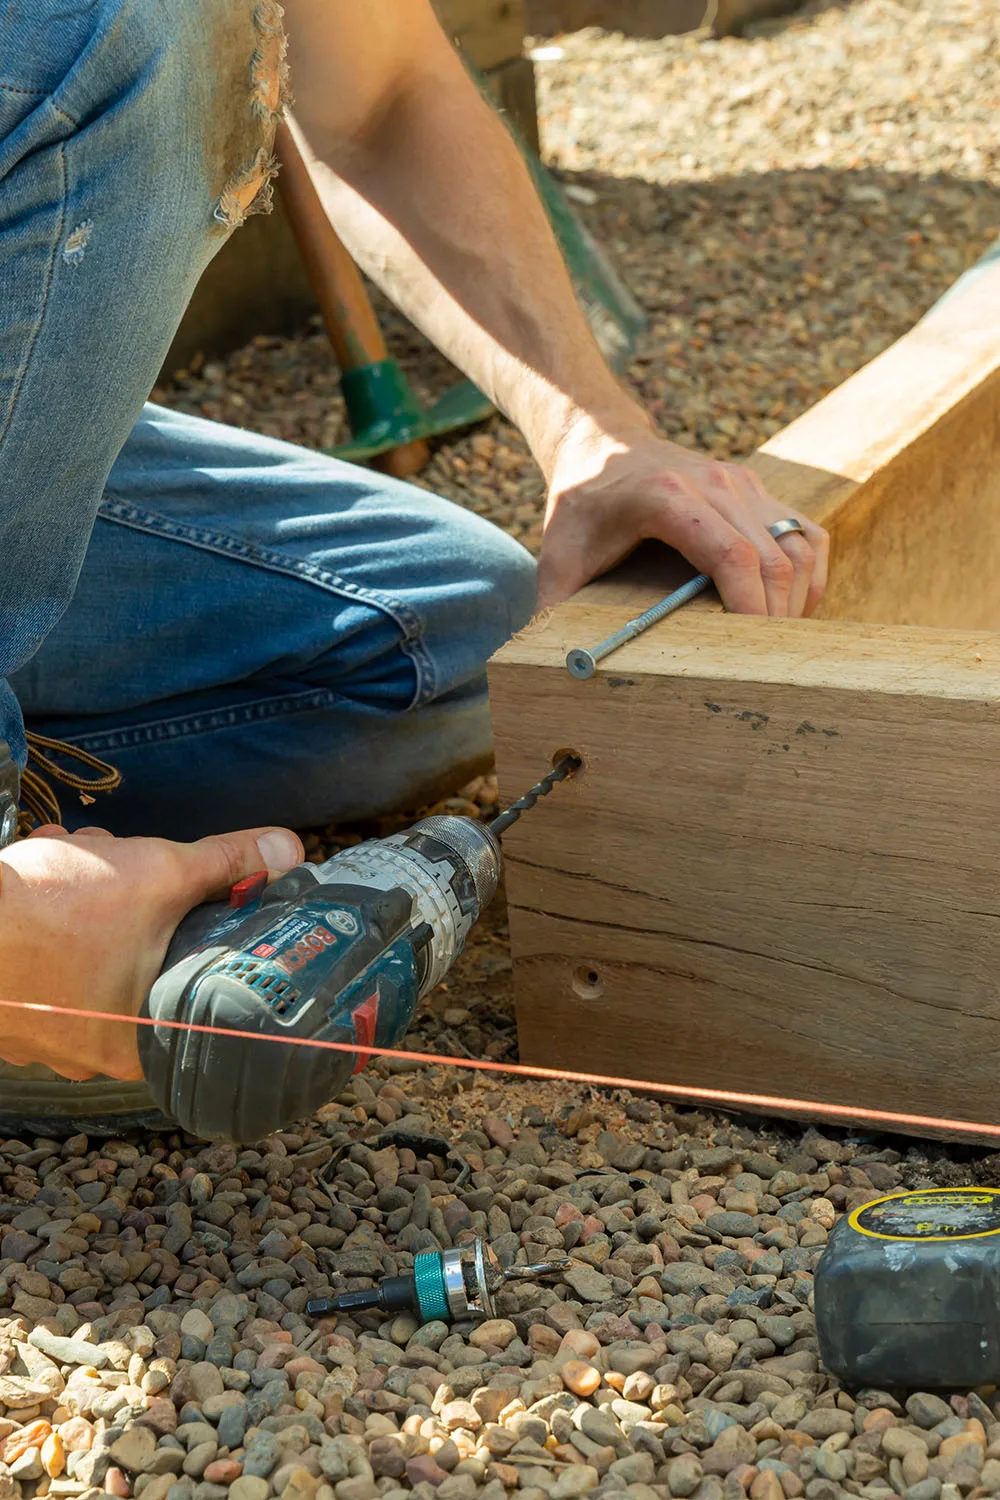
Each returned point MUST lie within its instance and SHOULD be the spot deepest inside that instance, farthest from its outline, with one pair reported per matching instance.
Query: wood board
(651, 18)
(489, 32)
(779, 872)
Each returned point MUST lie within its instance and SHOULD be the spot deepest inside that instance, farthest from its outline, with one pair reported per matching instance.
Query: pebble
(926, 1409)
(684, 1474)
(589, 1285)
(233, 1422)
(498, 1332)
(577, 1479)
(249, 1488)
(580, 1378)
(53, 1454)
(134, 1450)
(734, 1224)
(222, 1471)
(68, 1351)
(262, 1454)
(198, 1325)
(423, 1469)
(767, 1486)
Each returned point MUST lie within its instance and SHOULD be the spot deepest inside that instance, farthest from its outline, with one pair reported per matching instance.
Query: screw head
(580, 663)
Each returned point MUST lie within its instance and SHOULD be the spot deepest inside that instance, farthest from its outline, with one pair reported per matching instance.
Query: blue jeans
(248, 631)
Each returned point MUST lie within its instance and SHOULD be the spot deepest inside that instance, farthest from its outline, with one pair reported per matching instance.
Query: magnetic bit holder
(583, 664)
(449, 1286)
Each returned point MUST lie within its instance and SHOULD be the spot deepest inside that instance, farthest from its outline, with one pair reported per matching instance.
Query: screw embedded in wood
(583, 664)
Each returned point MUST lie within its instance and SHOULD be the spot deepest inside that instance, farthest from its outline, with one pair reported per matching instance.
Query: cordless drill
(336, 952)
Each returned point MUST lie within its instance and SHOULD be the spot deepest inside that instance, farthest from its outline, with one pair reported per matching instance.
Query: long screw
(566, 767)
(582, 663)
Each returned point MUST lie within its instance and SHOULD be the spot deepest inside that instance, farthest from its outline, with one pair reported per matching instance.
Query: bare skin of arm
(431, 196)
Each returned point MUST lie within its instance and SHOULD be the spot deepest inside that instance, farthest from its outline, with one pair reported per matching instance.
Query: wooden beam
(489, 32)
(900, 463)
(649, 18)
(780, 870)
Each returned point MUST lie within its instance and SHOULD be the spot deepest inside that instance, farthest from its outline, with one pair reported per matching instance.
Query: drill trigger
(365, 1022)
(247, 890)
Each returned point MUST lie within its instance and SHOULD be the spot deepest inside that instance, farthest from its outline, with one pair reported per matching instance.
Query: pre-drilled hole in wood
(587, 983)
(560, 756)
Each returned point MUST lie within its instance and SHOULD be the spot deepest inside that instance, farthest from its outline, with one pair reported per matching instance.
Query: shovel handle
(348, 315)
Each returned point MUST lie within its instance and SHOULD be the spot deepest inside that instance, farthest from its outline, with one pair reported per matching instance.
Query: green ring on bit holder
(428, 1274)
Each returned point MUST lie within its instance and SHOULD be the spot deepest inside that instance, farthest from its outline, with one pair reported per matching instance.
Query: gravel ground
(153, 1340)
(784, 206)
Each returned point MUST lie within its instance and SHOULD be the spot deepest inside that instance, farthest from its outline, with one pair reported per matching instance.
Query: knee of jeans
(436, 638)
(469, 616)
(471, 609)
(510, 573)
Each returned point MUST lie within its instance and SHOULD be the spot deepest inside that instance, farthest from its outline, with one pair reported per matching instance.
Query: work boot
(34, 1100)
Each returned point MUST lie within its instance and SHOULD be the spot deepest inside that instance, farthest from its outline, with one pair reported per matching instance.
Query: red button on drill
(248, 889)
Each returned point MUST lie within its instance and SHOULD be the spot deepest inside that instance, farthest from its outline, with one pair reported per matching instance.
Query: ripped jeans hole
(76, 242)
(248, 190)
(268, 66)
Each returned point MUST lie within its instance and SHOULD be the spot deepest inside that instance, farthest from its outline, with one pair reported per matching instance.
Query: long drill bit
(566, 767)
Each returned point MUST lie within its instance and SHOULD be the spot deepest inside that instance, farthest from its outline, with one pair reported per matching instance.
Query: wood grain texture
(512, 88)
(902, 464)
(489, 32)
(780, 870)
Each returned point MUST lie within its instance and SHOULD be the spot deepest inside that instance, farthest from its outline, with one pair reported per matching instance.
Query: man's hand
(85, 920)
(607, 494)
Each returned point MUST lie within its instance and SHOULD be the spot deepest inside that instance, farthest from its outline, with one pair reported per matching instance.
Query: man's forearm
(433, 199)
(437, 206)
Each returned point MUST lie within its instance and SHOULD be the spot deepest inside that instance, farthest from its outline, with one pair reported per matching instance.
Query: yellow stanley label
(969, 1213)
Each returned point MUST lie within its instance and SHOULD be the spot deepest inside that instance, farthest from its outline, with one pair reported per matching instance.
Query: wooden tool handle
(348, 315)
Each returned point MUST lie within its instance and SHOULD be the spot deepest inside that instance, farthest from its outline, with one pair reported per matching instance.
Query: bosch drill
(337, 952)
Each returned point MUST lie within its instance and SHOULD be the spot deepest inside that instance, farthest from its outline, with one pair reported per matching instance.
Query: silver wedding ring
(785, 528)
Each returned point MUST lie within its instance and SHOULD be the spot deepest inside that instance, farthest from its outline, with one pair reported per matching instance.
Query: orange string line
(764, 1103)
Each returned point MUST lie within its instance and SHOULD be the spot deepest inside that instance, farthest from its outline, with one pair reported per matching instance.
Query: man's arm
(431, 196)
